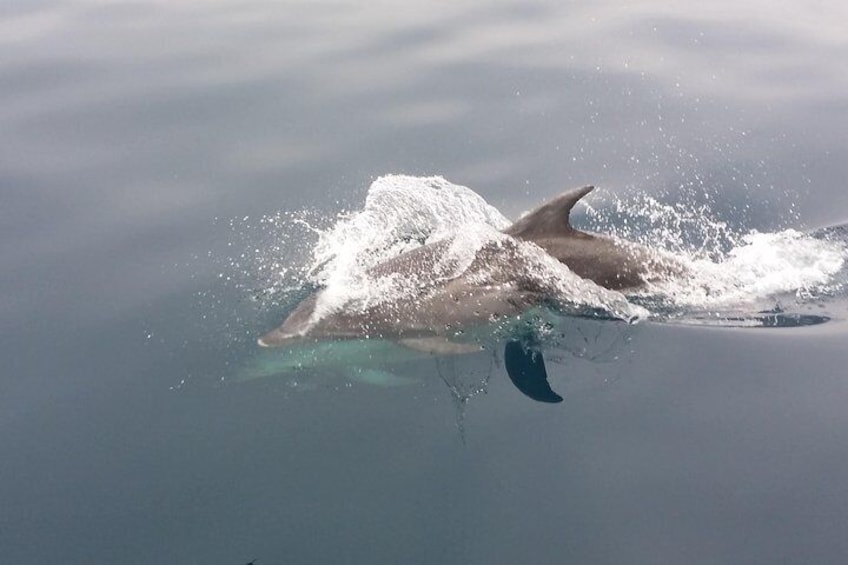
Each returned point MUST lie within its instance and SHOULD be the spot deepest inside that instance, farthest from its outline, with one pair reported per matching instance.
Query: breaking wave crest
(736, 276)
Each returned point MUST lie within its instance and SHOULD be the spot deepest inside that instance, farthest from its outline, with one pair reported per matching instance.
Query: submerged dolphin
(495, 286)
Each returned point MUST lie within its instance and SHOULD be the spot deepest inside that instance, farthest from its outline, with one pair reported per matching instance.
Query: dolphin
(609, 262)
(494, 286)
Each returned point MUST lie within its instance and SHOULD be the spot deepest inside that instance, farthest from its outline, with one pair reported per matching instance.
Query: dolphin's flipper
(526, 370)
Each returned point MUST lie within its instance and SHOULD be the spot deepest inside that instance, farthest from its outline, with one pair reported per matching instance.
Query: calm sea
(145, 149)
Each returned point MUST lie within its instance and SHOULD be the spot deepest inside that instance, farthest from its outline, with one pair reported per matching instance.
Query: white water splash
(730, 269)
(765, 265)
(402, 213)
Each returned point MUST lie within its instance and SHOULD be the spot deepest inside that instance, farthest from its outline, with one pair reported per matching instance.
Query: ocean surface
(176, 176)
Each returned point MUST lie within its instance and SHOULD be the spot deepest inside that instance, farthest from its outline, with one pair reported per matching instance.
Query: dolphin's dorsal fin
(549, 219)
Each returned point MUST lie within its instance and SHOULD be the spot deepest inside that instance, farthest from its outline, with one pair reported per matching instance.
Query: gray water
(140, 143)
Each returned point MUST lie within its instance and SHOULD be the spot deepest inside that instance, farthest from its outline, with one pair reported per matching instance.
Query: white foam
(400, 214)
(729, 267)
(763, 265)
(732, 267)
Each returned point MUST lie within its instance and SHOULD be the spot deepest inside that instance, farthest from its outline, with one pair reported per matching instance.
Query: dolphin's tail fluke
(526, 370)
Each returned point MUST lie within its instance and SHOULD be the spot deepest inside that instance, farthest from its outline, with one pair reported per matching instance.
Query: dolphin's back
(609, 262)
(494, 285)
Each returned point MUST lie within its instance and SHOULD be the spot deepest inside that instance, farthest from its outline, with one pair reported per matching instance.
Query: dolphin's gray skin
(615, 264)
(495, 285)
(468, 301)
